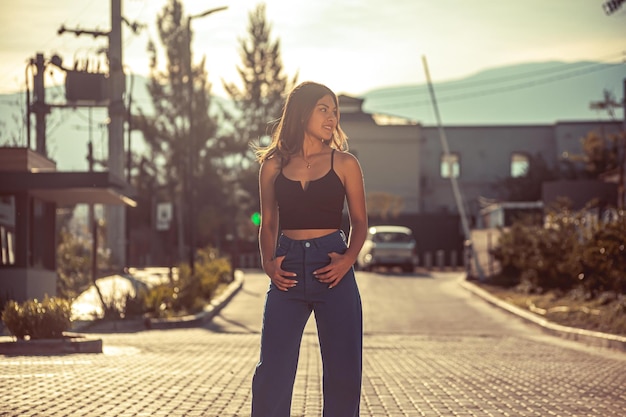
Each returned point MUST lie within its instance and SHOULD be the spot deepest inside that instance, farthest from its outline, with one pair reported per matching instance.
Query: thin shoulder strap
(332, 158)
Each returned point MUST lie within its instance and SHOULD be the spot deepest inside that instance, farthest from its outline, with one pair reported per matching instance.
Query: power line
(470, 83)
(466, 84)
(495, 90)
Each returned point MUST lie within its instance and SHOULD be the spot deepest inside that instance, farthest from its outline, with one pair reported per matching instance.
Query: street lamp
(190, 147)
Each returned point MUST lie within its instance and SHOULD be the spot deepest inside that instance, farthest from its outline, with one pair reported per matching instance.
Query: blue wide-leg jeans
(339, 321)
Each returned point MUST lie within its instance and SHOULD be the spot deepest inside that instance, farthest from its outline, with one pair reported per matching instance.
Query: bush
(544, 258)
(134, 305)
(189, 293)
(38, 320)
(514, 249)
(158, 300)
(555, 249)
(603, 258)
(74, 259)
(572, 250)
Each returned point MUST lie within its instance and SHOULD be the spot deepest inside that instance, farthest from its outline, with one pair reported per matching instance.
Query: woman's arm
(350, 172)
(355, 197)
(268, 231)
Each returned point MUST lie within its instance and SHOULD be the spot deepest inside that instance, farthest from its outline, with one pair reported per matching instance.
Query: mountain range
(531, 93)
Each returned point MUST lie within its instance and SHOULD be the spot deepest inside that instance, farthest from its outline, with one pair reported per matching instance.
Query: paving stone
(202, 372)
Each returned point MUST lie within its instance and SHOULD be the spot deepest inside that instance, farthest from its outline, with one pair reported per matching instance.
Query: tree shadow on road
(112, 326)
(218, 328)
(398, 273)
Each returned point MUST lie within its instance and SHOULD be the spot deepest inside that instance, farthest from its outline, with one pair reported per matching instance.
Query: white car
(388, 246)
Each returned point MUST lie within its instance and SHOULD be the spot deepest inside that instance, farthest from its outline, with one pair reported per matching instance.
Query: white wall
(389, 157)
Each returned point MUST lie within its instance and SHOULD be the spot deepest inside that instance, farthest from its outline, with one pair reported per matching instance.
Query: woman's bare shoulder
(347, 165)
(270, 166)
(346, 160)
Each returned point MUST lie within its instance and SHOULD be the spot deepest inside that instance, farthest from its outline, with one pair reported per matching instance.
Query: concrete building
(31, 189)
(405, 166)
(405, 159)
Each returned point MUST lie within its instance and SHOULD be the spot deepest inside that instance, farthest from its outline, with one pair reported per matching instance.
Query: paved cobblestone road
(430, 349)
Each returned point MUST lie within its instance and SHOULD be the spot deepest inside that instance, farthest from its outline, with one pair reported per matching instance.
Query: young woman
(306, 176)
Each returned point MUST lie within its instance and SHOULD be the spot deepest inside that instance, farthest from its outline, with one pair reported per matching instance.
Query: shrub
(212, 270)
(47, 319)
(555, 249)
(543, 258)
(158, 300)
(188, 293)
(74, 259)
(603, 257)
(572, 250)
(514, 248)
(133, 306)
(188, 290)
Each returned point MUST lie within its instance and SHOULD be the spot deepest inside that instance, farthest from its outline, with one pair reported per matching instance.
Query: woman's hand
(334, 272)
(279, 276)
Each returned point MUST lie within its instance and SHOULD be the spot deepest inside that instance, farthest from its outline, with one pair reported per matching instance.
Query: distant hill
(534, 93)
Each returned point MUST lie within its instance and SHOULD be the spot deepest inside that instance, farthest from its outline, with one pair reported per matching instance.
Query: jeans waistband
(317, 241)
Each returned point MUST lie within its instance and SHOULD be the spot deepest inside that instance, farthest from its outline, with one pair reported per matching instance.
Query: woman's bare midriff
(303, 234)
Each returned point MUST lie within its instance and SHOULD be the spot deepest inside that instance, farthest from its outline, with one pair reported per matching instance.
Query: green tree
(13, 133)
(601, 153)
(184, 154)
(259, 100)
(74, 261)
(258, 104)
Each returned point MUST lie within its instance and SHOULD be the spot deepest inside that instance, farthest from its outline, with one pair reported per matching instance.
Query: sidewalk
(587, 337)
(458, 357)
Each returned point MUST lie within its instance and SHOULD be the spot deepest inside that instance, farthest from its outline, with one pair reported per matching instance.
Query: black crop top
(318, 206)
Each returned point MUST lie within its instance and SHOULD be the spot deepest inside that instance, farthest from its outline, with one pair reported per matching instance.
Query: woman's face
(323, 120)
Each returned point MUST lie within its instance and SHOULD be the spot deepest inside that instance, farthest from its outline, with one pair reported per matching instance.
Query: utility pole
(40, 108)
(621, 173)
(610, 104)
(116, 215)
(470, 252)
(190, 174)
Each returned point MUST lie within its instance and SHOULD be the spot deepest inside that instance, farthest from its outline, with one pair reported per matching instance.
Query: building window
(519, 164)
(7, 230)
(450, 165)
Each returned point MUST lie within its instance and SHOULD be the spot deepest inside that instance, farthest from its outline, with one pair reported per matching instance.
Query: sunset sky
(352, 46)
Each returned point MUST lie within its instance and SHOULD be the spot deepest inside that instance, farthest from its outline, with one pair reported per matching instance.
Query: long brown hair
(288, 133)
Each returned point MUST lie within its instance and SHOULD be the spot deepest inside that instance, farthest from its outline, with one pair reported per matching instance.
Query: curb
(192, 320)
(204, 316)
(71, 344)
(588, 337)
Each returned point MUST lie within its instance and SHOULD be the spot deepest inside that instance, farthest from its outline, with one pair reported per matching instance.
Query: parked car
(388, 246)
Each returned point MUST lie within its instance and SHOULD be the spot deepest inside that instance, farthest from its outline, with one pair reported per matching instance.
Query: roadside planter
(65, 345)
(41, 329)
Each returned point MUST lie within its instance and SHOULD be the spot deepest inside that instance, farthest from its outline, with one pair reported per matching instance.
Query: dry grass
(606, 313)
